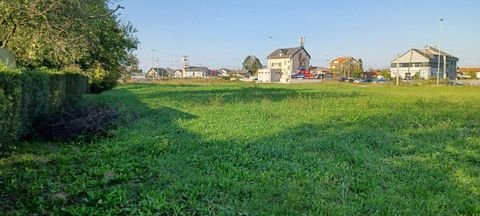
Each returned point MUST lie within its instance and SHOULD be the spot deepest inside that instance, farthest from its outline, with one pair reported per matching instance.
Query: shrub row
(28, 96)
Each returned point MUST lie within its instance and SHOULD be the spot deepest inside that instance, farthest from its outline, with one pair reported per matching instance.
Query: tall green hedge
(27, 96)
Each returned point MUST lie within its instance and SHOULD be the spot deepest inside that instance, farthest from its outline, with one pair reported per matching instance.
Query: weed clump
(81, 123)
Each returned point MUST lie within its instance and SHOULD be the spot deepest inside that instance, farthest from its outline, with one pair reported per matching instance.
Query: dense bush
(27, 96)
(85, 122)
(101, 80)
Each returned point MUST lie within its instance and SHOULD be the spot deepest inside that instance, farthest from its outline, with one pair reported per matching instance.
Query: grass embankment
(262, 149)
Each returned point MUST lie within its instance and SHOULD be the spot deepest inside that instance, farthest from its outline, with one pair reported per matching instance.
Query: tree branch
(98, 16)
(5, 42)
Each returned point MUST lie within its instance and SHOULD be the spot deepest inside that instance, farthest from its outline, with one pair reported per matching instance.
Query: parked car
(364, 80)
(359, 81)
(462, 76)
(382, 80)
(298, 76)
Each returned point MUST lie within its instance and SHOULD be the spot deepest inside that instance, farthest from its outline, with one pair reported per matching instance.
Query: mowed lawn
(250, 149)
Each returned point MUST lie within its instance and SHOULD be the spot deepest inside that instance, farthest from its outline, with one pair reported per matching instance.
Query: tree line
(82, 35)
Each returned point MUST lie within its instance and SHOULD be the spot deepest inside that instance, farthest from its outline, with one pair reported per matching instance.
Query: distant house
(7, 58)
(371, 74)
(269, 75)
(196, 72)
(346, 66)
(323, 72)
(424, 64)
(289, 60)
(471, 71)
(223, 73)
(137, 76)
(178, 74)
(234, 73)
(157, 73)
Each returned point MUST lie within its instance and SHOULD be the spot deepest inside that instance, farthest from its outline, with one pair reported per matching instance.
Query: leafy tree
(357, 70)
(252, 63)
(59, 33)
(131, 66)
(386, 73)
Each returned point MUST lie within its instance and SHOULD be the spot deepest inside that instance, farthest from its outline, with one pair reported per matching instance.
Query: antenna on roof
(302, 41)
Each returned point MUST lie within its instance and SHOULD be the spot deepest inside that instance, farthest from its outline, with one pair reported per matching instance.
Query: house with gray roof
(423, 63)
(288, 60)
(157, 73)
(196, 72)
(224, 72)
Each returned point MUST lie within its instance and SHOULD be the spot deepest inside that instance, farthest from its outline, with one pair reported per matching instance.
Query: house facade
(424, 64)
(178, 74)
(269, 75)
(234, 73)
(288, 60)
(157, 73)
(195, 72)
(137, 76)
(346, 66)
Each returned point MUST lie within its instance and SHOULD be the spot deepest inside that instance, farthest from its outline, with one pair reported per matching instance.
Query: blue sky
(221, 33)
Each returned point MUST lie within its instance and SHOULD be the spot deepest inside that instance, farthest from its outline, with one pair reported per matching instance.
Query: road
(475, 82)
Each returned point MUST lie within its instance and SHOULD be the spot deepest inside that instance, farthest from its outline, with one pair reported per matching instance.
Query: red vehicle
(305, 74)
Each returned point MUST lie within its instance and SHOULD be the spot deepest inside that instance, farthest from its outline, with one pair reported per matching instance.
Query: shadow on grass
(231, 94)
(375, 165)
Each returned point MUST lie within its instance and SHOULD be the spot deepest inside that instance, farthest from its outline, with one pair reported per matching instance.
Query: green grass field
(247, 149)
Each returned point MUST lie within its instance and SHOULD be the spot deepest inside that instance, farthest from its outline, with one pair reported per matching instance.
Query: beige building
(288, 60)
(423, 63)
(269, 75)
(195, 72)
(346, 66)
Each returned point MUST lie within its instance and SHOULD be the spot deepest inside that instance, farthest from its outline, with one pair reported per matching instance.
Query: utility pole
(153, 64)
(410, 63)
(445, 69)
(398, 68)
(439, 53)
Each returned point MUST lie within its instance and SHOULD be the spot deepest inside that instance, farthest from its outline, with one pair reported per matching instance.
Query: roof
(160, 70)
(434, 51)
(194, 68)
(286, 52)
(469, 70)
(239, 71)
(232, 71)
(429, 52)
(343, 60)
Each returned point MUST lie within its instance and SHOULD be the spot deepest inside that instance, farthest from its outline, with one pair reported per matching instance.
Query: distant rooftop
(285, 52)
(429, 52)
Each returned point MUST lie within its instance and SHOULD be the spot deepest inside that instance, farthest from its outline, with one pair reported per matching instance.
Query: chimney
(302, 41)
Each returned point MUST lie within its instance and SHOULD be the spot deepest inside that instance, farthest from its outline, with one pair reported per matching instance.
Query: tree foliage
(252, 63)
(59, 33)
(358, 69)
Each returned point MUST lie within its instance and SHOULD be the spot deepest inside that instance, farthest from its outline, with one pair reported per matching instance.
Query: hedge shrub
(28, 96)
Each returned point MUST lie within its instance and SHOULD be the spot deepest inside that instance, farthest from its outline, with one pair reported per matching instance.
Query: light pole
(439, 53)
(398, 69)
(153, 64)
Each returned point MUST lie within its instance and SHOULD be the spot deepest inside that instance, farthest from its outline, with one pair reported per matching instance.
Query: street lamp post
(398, 69)
(439, 53)
(153, 64)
